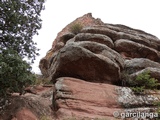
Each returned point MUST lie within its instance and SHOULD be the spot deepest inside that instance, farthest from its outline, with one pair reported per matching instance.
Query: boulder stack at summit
(87, 65)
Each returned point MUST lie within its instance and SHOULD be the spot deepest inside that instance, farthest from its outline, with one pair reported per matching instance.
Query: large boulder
(137, 64)
(80, 99)
(103, 39)
(88, 61)
(136, 50)
(30, 106)
(24, 114)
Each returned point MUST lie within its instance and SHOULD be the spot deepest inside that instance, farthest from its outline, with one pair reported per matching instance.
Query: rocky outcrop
(138, 64)
(136, 50)
(123, 42)
(80, 100)
(86, 69)
(30, 106)
(75, 98)
(89, 61)
(85, 20)
(99, 38)
(116, 32)
(154, 73)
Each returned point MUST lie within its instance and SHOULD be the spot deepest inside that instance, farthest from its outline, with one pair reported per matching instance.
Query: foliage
(138, 90)
(140, 83)
(14, 73)
(19, 22)
(41, 80)
(76, 28)
(144, 81)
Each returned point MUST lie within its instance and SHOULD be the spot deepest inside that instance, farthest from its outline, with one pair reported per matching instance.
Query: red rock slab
(78, 98)
(24, 114)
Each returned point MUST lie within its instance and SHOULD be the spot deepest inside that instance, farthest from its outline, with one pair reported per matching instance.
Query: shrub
(144, 81)
(76, 28)
(15, 73)
(138, 90)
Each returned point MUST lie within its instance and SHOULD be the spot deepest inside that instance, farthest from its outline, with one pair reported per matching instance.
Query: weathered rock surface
(75, 98)
(136, 50)
(24, 114)
(154, 73)
(85, 20)
(138, 64)
(63, 36)
(99, 38)
(89, 61)
(95, 59)
(116, 32)
(128, 42)
(30, 106)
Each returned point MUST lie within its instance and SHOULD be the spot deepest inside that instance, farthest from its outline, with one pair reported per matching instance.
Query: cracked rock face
(77, 98)
(93, 61)
(99, 48)
(29, 106)
(129, 100)
(89, 61)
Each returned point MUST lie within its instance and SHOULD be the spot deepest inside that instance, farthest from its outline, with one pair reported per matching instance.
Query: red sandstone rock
(24, 114)
(85, 20)
(77, 98)
(30, 106)
(96, 55)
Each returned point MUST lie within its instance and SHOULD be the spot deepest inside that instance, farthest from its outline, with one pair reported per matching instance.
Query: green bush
(76, 28)
(138, 90)
(15, 73)
(144, 81)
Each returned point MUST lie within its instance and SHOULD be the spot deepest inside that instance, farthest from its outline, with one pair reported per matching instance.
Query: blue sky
(139, 14)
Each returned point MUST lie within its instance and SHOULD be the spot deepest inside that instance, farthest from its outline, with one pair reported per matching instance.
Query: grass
(40, 80)
(75, 28)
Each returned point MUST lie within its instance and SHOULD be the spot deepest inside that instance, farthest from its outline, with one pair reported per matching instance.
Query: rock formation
(29, 106)
(86, 69)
